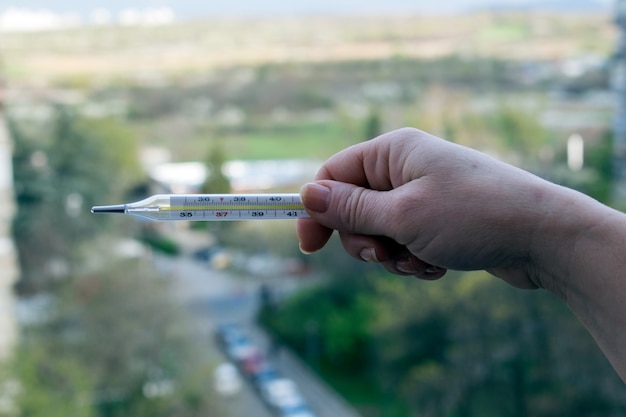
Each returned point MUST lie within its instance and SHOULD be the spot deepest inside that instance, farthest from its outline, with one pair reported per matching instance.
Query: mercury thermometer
(212, 207)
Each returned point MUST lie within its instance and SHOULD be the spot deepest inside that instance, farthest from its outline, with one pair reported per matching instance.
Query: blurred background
(109, 316)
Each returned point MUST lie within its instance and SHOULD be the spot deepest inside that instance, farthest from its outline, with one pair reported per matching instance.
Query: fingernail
(369, 255)
(315, 197)
(433, 270)
(305, 252)
(406, 266)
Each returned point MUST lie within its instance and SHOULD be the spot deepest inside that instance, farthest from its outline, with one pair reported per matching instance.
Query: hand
(420, 205)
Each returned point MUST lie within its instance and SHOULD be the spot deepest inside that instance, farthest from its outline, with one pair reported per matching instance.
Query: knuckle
(355, 204)
(407, 214)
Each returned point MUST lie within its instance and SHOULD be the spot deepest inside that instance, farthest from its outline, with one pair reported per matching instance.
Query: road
(217, 296)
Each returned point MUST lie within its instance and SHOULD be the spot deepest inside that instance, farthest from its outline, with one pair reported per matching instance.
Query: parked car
(215, 257)
(235, 342)
(226, 380)
(280, 393)
(227, 333)
(205, 254)
(298, 410)
(252, 363)
(241, 349)
(263, 375)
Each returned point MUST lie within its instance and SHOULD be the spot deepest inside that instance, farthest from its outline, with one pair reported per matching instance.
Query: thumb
(347, 207)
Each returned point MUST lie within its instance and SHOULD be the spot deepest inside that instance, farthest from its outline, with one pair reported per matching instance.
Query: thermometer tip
(121, 208)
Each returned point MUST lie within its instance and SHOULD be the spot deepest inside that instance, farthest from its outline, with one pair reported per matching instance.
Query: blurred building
(270, 175)
(244, 176)
(619, 85)
(8, 259)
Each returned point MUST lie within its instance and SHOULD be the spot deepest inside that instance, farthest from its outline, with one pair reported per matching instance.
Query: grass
(505, 33)
(293, 141)
(317, 141)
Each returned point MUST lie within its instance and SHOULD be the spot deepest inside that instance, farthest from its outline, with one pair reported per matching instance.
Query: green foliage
(50, 385)
(276, 238)
(160, 243)
(506, 31)
(466, 346)
(109, 336)
(519, 130)
(373, 124)
(291, 140)
(61, 169)
(596, 178)
(118, 153)
(216, 182)
(336, 322)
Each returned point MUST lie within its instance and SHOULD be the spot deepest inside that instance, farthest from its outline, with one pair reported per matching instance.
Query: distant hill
(195, 8)
(556, 5)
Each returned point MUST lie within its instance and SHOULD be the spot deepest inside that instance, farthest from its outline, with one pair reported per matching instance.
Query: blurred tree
(114, 344)
(600, 159)
(276, 238)
(468, 346)
(341, 314)
(49, 386)
(518, 130)
(373, 123)
(597, 176)
(472, 346)
(61, 169)
(217, 182)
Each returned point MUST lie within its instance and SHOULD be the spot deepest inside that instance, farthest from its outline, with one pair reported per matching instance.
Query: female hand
(420, 205)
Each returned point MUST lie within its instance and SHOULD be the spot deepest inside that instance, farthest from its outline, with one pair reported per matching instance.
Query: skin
(420, 205)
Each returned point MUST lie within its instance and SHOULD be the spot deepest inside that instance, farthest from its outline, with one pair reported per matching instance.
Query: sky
(190, 8)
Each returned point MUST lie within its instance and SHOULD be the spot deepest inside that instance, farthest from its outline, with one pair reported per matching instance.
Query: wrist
(572, 239)
(584, 265)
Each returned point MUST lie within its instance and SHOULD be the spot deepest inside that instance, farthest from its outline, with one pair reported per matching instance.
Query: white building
(244, 176)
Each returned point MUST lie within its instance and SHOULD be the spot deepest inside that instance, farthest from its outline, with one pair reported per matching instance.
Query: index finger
(378, 164)
(365, 164)
(345, 166)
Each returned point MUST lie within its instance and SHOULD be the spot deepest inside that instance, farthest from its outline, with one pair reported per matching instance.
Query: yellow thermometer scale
(212, 207)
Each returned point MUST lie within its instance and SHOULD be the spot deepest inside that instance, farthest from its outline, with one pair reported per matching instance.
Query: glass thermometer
(212, 207)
